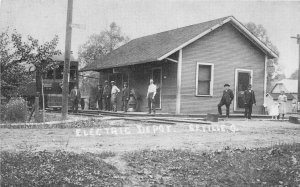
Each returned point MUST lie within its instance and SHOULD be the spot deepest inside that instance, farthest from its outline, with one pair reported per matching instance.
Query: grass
(279, 165)
(56, 168)
(273, 166)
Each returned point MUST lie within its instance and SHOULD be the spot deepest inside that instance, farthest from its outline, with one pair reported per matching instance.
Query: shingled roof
(158, 46)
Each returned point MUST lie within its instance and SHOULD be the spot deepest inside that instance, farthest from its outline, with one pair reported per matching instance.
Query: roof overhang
(237, 25)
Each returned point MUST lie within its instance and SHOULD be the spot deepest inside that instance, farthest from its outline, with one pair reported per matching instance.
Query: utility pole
(65, 91)
(298, 42)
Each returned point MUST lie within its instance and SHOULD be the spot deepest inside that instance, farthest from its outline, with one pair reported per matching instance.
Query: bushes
(15, 110)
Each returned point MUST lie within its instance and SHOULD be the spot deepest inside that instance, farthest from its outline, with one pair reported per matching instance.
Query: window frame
(211, 91)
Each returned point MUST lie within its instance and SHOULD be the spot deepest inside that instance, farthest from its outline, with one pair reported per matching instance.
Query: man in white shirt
(114, 92)
(151, 95)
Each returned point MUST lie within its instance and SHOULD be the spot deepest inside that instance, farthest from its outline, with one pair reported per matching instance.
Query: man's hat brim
(226, 85)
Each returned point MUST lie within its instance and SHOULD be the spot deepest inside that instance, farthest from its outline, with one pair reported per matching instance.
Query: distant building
(190, 65)
(290, 87)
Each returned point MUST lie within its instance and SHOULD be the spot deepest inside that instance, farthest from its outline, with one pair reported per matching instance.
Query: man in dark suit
(106, 96)
(249, 98)
(75, 97)
(125, 96)
(226, 100)
(100, 97)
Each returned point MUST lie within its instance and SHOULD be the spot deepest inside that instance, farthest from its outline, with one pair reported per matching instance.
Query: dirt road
(123, 136)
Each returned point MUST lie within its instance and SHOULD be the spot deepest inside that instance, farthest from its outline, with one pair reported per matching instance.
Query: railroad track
(158, 118)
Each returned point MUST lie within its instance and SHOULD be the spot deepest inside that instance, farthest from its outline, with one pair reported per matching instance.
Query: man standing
(106, 96)
(75, 98)
(226, 100)
(125, 96)
(249, 101)
(114, 93)
(100, 97)
(151, 95)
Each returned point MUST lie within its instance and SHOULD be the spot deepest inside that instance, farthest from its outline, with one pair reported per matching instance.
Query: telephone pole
(65, 90)
(298, 42)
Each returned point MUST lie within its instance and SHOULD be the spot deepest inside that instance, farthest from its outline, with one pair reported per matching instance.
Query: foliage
(97, 46)
(101, 44)
(45, 168)
(239, 167)
(16, 53)
(13, 75)
(274, 70)
(295, 75)
(2, 112)
(16, 110)
(40, 56)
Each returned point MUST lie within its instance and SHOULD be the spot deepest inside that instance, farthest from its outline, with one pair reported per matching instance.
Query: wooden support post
(178, 93)
(265, 81)
(65, 92)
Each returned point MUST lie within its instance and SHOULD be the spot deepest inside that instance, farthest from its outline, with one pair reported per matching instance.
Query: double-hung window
(204, 79)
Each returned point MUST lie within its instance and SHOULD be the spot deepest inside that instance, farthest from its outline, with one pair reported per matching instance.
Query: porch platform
(294, 118)
(159, 114)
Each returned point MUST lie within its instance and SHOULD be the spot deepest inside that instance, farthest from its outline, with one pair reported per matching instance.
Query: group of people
(248, 100)
(278, 108)
(275, 109)
(107, 96)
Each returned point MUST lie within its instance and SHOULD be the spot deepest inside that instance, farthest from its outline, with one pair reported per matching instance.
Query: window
(59, 72)
(49, 74)
(204, 79)
(73, 73)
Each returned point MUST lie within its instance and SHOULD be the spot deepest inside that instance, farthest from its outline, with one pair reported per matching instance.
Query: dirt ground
(124, 136)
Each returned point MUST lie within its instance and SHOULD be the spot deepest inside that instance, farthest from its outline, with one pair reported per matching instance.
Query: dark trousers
(151, 104)
(227, 108)
(125, 105)
(106, 103)
(100, 104)
(248, 111)
(75, 105)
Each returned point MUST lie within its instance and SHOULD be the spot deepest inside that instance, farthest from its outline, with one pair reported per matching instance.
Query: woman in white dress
(282, 100)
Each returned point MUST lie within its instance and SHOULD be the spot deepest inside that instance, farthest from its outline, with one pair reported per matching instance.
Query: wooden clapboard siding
(228, 50)
(169, 86)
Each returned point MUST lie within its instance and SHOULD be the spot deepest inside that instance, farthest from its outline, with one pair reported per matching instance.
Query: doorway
(243, 77)
(157, 79)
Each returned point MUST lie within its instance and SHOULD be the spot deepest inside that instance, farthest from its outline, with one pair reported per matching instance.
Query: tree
(295, 75)
(274, 72)
(14, 75)
(16, 53)
(38, 55)
(96, 46)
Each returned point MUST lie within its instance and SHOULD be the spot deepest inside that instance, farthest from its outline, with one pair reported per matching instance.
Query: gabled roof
(158, 46)
(286, 85)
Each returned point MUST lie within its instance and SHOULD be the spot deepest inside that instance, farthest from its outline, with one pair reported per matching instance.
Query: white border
(211, 93)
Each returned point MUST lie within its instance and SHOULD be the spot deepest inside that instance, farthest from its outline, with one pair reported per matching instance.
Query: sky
(43, 19)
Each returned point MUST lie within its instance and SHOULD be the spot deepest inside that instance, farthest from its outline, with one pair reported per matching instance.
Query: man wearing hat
(114, 92)
(106, 96)
(226, 100)
(249, 101)
(125, 96)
